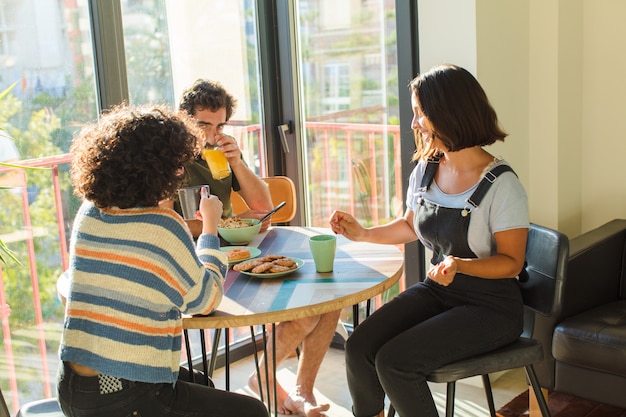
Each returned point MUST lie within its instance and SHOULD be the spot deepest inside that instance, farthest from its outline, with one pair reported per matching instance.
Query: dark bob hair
(458, 108)
(132, 157)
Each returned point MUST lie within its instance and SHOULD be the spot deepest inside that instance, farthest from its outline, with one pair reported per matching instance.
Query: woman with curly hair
(134, 272)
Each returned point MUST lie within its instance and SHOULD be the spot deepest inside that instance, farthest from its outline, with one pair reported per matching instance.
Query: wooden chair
(547, 252)
(281, 189)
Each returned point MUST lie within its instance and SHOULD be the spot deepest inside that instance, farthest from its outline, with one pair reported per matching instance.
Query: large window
(336, 93)
(147, 46)
(347, 56)
(350, 109)
(46, 62)
(45, 49)
(325, 71)
(178, 42)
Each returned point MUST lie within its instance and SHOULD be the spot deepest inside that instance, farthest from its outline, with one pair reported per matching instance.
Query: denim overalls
(430, 325)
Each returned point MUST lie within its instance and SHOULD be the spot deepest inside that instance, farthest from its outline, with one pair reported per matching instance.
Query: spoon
(274, 210)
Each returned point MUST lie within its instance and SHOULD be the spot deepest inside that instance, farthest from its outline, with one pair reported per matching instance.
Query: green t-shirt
(199, 174)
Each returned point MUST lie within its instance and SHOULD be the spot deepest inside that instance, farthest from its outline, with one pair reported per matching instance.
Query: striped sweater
(133, 273)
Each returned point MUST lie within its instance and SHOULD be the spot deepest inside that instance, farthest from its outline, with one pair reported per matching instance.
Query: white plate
(254, 252)
(299, 263)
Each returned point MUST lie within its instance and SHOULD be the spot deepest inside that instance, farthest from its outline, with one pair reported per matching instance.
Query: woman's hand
(210, 212)
(443, 273)
(343, 223)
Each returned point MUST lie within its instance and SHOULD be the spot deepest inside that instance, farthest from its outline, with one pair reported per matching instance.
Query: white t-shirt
(504, 207)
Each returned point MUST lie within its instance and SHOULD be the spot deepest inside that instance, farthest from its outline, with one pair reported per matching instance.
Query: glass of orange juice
(217, 162)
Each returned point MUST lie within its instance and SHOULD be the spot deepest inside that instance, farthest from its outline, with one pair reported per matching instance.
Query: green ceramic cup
(323, 250)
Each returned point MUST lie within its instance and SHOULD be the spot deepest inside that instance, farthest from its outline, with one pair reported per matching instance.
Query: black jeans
(82, 396)
(423, 328)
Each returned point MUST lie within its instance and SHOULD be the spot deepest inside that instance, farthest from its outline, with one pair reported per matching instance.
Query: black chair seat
(41, 408)
(516, 355)
(547, 252)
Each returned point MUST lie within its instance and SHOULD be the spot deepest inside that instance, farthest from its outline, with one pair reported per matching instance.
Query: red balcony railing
(27, 234)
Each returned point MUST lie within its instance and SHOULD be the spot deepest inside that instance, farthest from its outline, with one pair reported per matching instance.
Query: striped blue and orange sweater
(133, 273)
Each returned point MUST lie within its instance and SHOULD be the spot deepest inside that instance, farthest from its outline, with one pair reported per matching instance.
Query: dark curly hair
(133, 156)
(458, 108)
(206, 94)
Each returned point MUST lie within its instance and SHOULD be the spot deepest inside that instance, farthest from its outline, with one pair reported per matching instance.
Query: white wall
(555, 70)
(604, 112)
(447, 33)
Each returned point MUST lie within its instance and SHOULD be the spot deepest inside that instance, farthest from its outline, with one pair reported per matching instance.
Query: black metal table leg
(205, 368)
(189, 358)
(217, 333)
(256, 362)
(227, 358)
(355, 316)
(274, 368)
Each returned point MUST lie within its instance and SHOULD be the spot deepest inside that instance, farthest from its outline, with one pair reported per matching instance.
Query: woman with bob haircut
(469, 208)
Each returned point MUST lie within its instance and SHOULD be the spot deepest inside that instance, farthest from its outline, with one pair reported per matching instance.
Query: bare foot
(281, 394)
(305, 405)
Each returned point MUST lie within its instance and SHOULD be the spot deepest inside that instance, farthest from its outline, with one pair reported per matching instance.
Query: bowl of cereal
(238, 231)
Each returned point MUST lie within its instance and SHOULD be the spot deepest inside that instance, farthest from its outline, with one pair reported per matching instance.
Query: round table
(361, 271)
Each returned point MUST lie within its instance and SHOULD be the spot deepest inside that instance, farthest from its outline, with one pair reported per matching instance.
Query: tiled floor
(331, 386)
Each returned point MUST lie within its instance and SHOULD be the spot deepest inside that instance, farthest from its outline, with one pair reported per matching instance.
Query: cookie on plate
(248, 265)
(238, 254)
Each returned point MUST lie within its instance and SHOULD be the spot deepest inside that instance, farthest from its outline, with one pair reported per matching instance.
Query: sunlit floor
(331, 386)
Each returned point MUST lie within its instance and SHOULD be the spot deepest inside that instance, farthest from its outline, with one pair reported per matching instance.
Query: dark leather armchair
(585, 338)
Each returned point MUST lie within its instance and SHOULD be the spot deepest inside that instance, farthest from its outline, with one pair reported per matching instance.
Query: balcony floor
(331, 386)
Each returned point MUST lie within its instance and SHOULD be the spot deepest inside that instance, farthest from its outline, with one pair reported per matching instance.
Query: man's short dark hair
(206, 94)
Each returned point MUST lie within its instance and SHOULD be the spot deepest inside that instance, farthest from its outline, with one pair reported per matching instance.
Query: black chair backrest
(4, 410)
(547, 252)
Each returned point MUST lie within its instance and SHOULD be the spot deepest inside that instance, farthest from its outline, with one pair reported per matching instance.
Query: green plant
(4, 250)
